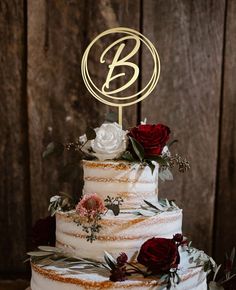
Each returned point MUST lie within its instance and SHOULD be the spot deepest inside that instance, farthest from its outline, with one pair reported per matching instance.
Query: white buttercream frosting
(132, 181)
(118, 233)
(59, 278)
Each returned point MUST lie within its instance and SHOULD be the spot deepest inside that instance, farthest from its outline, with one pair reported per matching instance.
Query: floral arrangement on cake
(145, 144)
(158, 258)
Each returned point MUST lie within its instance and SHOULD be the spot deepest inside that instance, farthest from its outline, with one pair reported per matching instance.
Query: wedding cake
(121, 234)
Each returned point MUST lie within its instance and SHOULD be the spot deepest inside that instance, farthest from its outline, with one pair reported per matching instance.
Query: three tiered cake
(120, 235)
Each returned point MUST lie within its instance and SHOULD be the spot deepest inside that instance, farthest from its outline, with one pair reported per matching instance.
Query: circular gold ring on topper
(107, 96)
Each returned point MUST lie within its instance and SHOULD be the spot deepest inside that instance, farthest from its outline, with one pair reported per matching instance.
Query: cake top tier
(132, 182)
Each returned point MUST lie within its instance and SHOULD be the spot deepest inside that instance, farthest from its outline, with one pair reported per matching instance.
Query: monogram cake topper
(116, 67)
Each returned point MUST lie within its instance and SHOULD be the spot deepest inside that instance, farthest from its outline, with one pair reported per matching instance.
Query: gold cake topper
(106, 94)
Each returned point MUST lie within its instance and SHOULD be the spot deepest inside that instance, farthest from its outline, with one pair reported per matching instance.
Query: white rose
(110, 142)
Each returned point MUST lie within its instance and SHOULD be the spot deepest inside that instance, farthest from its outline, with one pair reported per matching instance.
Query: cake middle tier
(125, 232)
(133, 182)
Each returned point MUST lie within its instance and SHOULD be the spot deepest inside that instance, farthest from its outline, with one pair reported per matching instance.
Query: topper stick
(120, 115)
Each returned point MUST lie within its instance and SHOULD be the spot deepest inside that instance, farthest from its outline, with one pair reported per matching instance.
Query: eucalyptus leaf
(138, 148)
(39, 254)
(144, 212)
(50, 249)
(128, 156)
(216, 272)
(150, 165)
(163, 278)
(215, 286)
(158, 159)
(232, 255)
(90, 133)
(53, 148)
(165, 175)
(111, 262)
(151, 205)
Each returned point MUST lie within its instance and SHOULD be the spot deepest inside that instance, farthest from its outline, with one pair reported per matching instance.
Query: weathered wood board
(43, 98)
(189, 38)
(225, 227)
(14, 175)
(60, 107)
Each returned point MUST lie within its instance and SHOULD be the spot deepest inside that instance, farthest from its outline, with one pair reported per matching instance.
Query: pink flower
(90, 205)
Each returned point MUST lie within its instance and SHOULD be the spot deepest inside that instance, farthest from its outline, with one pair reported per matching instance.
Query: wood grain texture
(225, 227)
(14, 284)
(189, 38)
(14, 177)
(60, 107)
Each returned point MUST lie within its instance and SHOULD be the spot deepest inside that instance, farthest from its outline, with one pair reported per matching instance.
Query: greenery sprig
(90, 226)
(58, 257)
(114, 203)
(165, 161)
(139, 155)
(151, 208)
(63, 202)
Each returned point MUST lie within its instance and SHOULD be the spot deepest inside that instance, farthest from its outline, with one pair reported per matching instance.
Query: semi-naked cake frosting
(131, 181)
(125, 232)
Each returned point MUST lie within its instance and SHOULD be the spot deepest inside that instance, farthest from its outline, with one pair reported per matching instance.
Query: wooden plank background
(43, 98)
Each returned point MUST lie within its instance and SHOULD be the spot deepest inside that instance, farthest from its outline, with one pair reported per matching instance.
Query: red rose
(153, 138)
(159, 255)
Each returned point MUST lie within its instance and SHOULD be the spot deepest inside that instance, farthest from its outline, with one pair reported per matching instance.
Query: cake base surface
(58, 278)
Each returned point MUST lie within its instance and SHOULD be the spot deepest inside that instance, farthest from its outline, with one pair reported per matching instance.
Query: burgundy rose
(43, 232)
(159, 255)
(153, 138)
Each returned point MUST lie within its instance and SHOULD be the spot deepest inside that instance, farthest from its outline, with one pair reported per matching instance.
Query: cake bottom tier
(50, 278)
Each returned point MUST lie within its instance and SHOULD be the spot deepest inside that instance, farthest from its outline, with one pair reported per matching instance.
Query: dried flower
(122, 259)
(90, 205)
(178, 238)
(118, 274)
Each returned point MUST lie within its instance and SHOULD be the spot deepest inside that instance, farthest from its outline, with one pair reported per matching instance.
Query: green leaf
(39, 254)
(50, 249)
(165, 175)
(114, 207)
(150, 165)
(232, 255)
(111, 262)
(153, 206)
(145, 212)
(172, 142)
(160, 160)
(216, 272)
(138, 148)
(90, 133)
(128, 156)
(53, 148)
(111, 117)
